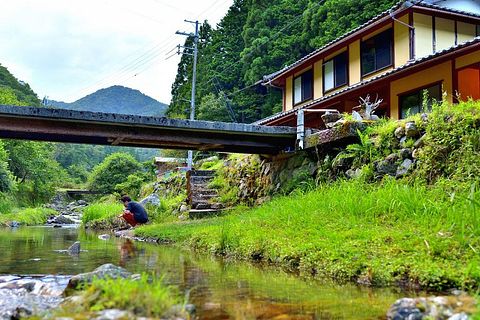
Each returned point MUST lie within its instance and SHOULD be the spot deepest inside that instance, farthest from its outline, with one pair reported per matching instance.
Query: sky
(66, 49)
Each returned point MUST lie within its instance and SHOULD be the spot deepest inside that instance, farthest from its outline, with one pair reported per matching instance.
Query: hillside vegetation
(256, 38)
(17, 91)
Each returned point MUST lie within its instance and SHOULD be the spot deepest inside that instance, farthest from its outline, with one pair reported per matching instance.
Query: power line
(133, 12)
(211, 6)
(146, 56)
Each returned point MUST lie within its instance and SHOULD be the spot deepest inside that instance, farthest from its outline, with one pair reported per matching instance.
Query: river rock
(74, 248)
(420, 142)
(8, 278)
(19, 303)
(62, 219)
(387, 166)
(435, 308)
(13, 224)
(152, 199)
(353, 173)
(104, 271)
(104, 237)
(405, 153)
(399, 132)
(411, 130)
(403, 169)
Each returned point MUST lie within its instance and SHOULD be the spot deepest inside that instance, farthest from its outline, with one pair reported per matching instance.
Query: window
(303, 87)
(377, 52)
(477, 29)
(412, 103)
(335, 72)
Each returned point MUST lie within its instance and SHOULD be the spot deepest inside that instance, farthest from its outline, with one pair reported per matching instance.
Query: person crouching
(134, 213)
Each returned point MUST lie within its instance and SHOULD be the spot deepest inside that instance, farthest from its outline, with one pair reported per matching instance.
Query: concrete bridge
(59, 125)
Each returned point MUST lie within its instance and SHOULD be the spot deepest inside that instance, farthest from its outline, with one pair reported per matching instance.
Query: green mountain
(20, 89)
(115, 99)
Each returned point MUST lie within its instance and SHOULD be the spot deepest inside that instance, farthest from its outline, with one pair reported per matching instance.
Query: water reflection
(127, 252)
(219, 289)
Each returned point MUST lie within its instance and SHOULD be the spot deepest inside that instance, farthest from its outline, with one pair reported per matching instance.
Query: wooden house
(415, 47)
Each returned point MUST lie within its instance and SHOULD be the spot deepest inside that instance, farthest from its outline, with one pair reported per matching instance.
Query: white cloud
(68, 48)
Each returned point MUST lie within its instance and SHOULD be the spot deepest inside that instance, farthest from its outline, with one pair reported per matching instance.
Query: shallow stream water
(219, 289)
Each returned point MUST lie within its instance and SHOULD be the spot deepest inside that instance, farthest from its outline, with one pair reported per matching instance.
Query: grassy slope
(29, 217)
(351, 231)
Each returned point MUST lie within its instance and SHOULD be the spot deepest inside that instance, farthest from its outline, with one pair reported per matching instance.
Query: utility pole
(194, 77)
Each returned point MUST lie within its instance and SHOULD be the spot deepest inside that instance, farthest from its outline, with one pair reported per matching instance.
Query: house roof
(410, 64)
(397, 8)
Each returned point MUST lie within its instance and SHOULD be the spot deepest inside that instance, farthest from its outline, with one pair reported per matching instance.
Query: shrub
(113, 171)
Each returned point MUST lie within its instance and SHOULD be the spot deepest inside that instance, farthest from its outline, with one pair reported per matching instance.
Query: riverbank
(400, 207)
(387, 234)
(29, 217)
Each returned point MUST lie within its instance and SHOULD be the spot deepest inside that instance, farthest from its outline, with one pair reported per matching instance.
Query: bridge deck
(59, 125)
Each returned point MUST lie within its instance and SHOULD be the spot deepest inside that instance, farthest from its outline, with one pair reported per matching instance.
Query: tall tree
(256, 38)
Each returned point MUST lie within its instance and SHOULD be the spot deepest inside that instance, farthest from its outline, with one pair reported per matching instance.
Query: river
(219, 289)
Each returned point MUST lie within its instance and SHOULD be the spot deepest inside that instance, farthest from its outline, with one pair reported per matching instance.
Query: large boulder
(104, 271)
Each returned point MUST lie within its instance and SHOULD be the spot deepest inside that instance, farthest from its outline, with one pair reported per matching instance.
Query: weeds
(148, 296)
(101, 211)
(29, 216)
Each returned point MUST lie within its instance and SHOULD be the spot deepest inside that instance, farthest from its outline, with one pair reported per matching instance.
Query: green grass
(147, 296)
(29, 216)
(101, 211)
(165, 212)
(351, 230)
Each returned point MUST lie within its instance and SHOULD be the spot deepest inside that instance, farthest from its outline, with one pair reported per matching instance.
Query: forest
(256, 38)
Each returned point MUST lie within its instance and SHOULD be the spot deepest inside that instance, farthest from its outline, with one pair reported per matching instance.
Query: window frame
(417, 90)
(302, 99)
(347, 75)
(392, 58)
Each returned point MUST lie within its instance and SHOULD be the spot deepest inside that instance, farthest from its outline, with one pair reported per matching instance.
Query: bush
(113, 171)
(133, 184)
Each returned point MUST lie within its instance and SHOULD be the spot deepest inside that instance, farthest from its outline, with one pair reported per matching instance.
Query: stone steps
(200, 196)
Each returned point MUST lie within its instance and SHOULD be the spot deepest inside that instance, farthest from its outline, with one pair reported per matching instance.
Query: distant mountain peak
(116, 99)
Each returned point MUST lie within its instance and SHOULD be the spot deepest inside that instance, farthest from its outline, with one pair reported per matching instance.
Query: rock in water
(74, 248)
(105, 271)
(62, 219)
(14, 224)
(104, 237)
